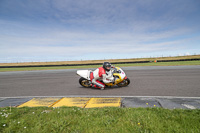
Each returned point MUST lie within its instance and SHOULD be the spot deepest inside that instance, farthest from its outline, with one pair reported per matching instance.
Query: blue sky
(56, 30)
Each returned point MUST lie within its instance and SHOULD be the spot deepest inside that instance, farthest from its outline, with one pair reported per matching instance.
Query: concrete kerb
(13, 102)
(167, 102)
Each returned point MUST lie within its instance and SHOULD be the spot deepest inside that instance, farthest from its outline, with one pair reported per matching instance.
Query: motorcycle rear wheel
(124, 83)
(84, 82)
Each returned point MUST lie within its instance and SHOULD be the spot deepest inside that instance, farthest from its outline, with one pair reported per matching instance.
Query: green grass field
(178, 63)
(98, 120)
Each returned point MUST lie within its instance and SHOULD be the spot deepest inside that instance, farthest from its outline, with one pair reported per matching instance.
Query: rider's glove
(112, 66)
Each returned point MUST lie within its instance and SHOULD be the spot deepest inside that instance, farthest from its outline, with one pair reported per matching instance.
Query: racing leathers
(100, 74)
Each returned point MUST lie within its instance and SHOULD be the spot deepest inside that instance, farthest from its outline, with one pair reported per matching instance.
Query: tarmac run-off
(149, 88)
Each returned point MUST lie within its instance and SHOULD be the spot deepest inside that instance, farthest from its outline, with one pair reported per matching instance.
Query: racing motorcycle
(120, 78)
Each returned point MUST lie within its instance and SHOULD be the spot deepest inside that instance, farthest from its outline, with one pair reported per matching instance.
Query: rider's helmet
(107, 66)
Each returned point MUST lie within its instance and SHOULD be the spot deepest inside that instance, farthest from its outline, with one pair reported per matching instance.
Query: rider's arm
(109, 75)
(104, 79)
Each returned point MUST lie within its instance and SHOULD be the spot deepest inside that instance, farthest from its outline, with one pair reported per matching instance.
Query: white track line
(188, 106)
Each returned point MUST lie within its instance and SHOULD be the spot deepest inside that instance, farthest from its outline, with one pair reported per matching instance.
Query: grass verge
(177, 63)
(100, 61)
(98, 120)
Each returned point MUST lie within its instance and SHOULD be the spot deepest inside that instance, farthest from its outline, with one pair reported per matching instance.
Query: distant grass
(98, 120)
(100, 61)
(177, 63)
(46, 68)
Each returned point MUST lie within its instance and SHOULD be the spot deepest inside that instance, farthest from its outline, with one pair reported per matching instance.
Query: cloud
(66, 43)
(79, 29)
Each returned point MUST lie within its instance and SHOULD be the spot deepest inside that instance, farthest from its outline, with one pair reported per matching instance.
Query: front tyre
(124, 83)
(84, 82)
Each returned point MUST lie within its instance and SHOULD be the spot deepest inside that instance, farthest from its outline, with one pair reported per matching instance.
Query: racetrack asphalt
(177, 81)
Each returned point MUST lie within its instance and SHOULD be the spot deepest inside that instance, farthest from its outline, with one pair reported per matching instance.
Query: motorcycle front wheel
(84, 82)
(124, 83)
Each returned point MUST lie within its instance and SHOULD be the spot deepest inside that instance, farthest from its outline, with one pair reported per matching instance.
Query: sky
(70, 30)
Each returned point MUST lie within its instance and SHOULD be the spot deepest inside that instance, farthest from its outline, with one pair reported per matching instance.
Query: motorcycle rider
(101, 73)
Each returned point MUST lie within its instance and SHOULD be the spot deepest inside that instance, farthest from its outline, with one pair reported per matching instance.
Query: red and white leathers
(100, 74)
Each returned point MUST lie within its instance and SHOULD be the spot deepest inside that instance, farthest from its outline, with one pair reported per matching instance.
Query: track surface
(181, 81)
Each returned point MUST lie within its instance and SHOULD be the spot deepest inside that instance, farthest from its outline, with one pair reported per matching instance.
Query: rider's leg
(98, 84)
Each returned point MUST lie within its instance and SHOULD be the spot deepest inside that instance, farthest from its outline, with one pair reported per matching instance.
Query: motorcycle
(120, 78)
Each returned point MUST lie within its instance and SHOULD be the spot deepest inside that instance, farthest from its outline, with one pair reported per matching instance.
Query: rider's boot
(102, 88)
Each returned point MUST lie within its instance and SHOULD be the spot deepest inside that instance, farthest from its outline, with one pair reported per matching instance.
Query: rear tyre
(84, 82)
(124, 83)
